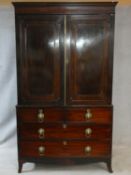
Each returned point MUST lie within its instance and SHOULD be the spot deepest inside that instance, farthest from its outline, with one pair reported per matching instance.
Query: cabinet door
(40, 59)
(89, 66)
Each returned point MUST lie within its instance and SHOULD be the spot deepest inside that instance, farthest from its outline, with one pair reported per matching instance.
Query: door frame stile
(65, 59)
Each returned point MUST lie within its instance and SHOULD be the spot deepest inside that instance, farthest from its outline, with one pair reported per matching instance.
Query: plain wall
(122, 76)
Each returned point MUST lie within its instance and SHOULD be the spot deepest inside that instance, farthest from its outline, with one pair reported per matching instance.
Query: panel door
(89, 65)
(40, 59)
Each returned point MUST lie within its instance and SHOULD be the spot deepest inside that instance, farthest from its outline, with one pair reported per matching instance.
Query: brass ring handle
(88, 149)
(41, 150)
(40, 115)
(88, 131)
(65, 143)
(64, 126)
(41, 133)
(88, 114)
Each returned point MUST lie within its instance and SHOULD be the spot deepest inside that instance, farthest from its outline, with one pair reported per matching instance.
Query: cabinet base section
(66, 161)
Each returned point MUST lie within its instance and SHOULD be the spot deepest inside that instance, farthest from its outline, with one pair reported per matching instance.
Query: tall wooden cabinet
(64, 70)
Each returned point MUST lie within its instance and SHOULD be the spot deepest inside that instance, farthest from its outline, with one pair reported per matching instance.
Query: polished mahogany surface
(100, 115)
(71, 149)
(40, 59)
(64, 7)
(66, 59)
(64, 73)
(71, 131)
(89, 69)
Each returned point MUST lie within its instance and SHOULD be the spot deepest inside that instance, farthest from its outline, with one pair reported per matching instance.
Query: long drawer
(64, 149)
(64, 131)
(101, 115)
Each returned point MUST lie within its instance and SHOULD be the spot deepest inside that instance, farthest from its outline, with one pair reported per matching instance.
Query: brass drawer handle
(88, 149)
(41, 150)
(64, 126)
(41, 133)
(65, 143)
(40, 115)
(88, 114)
(88, 131)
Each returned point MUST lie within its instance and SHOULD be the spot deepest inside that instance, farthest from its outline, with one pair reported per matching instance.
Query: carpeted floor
(121, 165)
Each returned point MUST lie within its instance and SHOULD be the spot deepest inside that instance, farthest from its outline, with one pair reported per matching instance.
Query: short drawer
(64, 131)
(40, 115)
(91, 115)
(64, 149)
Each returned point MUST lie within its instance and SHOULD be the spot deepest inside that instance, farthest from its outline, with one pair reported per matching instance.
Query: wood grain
(64, 72)
(57, 149)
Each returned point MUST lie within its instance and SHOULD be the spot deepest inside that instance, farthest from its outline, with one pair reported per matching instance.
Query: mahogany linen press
(64, 75)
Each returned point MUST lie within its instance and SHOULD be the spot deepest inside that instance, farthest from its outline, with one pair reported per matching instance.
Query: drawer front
(64, 149)
(65, 131)
(91, 115)
(41, 115)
